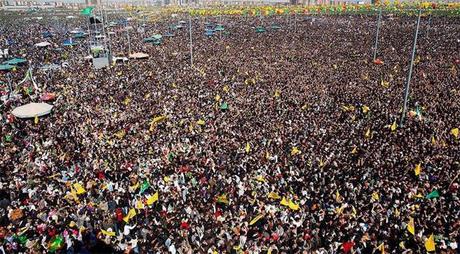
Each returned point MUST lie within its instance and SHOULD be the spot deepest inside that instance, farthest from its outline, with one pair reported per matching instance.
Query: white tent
(120, 58)
(43, 44)
(139, 55)
(32, 110)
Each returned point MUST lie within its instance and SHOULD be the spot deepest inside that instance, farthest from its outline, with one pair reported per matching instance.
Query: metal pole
(129, 40)
(191, 41)
(295, 21)
(406, 91)
(377, 34)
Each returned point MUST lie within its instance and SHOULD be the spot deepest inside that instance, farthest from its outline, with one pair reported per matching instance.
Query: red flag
(347, 246)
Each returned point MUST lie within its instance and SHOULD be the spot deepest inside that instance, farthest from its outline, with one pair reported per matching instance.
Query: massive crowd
(285, 141)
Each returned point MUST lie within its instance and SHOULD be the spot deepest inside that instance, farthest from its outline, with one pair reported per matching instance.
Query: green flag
(433, 194)
(8, 138)
(224, 106)
(56, 243)
(145, 185)
(87, 11)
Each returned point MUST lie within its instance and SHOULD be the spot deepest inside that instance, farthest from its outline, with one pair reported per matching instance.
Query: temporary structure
(139, 55)
(31, 110)
(43, 44)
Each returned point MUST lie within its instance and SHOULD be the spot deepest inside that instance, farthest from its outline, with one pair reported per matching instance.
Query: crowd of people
(283, 141)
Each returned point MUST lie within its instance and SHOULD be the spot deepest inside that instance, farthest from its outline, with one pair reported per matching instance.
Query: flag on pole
(145, 185)
(394, 126)
(107, 233)
(130, 215)
(79, 188)
(256, 219)
(418, 169)
(433, 194)
(454, 132)
(248, 147)
(152, 199)
(411, 226)
(381, 248)
(87, 11)
(429, 243)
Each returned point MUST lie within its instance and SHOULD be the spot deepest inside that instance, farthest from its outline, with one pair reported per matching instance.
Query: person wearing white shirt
(127, 229)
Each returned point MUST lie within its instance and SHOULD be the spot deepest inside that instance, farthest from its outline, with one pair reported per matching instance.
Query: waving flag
(87, 11)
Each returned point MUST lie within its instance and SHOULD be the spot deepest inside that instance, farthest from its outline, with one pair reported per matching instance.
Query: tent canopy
(31, 110)
(15, 61)
(6, 67)
(42, 44)
(139, 55)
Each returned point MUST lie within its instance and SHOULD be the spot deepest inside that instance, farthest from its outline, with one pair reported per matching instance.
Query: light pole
(406, 90)
(377, 34)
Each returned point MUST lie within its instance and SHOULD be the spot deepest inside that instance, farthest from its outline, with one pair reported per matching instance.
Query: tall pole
(377, 34)
(129, 39)
(406, 91)
(191, 41)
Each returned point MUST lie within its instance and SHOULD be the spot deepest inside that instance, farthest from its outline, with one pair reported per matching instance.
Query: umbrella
(157, 36)
(15, 61)
(260, 29)
(276, 27)
(79, 35)
(31, 110)
(48, 96)
(209, 32)
(219, 27)
(47, 35)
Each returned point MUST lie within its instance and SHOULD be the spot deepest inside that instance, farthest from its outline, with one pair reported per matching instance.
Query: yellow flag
(354, 151)
(152, 199)
(247, 148)
(79, 188)
(257, 218)
(454, 132)
(321, 163)
(337, 196)
(120, 134)
(394, 126)
(139, 205)
(397, 212)
(411, 226)
(418, 169)
(260, 179)
(295, 151)
(134, 187)
(284, 202)
(200, 122)
(429, 244)
(273, 195)
(368, 133)
(385, 84)
(223, 199)
(226, 88)
(433, 140)
(277, 93)
(107, 233)
(375, 196)
(36, 120)
(365, 109)
(293, 205)
(217, 98)
(130, 215)
(127, 101)
(353, 211)
(381, 248)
